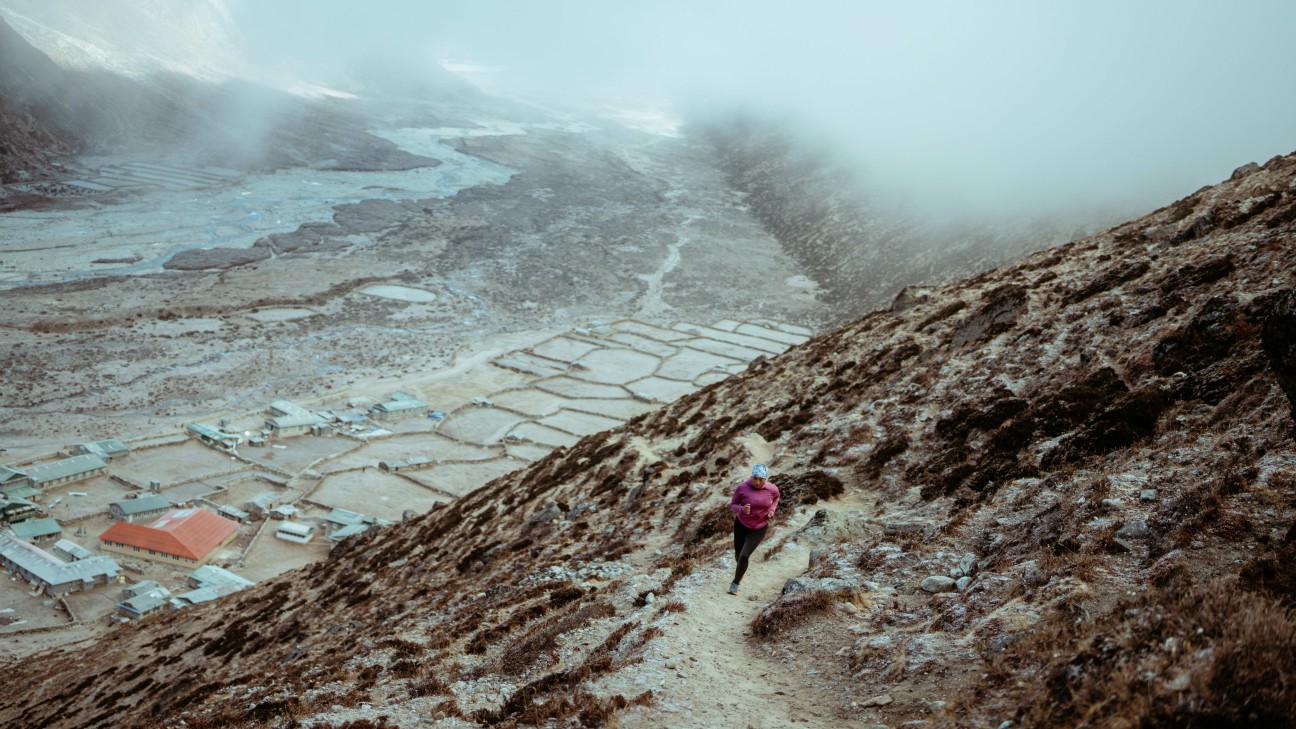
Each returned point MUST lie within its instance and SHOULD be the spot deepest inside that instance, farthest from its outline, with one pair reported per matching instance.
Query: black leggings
(745, 543)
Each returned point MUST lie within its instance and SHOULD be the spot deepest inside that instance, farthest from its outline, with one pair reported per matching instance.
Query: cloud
(989, 105)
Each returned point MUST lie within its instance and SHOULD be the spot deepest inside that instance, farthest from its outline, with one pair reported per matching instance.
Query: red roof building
(181, 537)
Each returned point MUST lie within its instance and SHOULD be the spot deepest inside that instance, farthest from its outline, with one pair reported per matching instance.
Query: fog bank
(1000, 105)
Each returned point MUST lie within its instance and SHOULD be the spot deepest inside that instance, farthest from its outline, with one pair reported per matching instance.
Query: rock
(881, 700)
(797, 585)
(545, 515)
(1112, 504)
(909, 297)
(962, 583)
(672, 664)
(896, 528)
(1278, 337)
(1148, 495)
(649, 598)
(968, 564)
(816, 556)
(1134, 529)
(938, 583)
(955, 573)
(1244, 170)
(850, 608)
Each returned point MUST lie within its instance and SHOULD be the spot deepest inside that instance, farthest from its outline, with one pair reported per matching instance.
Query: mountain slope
(1103, 427)
(50, 112)
(859, 248)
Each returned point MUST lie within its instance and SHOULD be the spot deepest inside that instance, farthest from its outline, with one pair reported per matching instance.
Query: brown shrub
(791, 610)
(1185, 655)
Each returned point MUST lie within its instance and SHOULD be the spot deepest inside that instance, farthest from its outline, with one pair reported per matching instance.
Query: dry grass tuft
(1185, 655)
(791, 610)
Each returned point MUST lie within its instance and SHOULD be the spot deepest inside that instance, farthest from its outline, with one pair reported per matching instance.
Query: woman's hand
(746, 509)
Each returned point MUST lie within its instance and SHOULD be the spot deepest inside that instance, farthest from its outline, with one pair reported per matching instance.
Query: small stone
(672, 664)
(1112, 504)
(1148, 495)
(968, 564)
(649, 598)
(850, 608)
(955, 573)
(1134, 529)
(896, 528)
(881, 700)
(962, 583)
(938, 583)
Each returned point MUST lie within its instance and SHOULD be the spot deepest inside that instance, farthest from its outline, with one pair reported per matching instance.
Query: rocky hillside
(1060, 493)
(49, 112)
(860, 249)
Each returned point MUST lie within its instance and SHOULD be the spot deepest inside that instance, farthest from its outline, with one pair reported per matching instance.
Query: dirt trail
(714, 674)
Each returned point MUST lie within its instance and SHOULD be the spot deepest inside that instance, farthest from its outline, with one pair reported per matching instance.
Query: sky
(990, 105)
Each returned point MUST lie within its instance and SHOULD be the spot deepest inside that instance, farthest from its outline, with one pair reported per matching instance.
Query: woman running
(754, 501)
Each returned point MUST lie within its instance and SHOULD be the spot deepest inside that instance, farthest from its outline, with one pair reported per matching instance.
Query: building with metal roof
(140, 508)
(209, 575)
(66, 470)
(232, 513)
(54, 576)
(183, 536)
(203, 594)
(214, 436)
(105, 449)
(145, 602)
(292, 531)
(261, 504)
(14, 509)
(12, 479)
(70, 550)
(141, 587)
(400, 405)
(288, 425)
(36, 531)
(283, 408)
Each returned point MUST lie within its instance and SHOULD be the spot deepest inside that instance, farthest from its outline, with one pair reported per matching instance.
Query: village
(110, 531)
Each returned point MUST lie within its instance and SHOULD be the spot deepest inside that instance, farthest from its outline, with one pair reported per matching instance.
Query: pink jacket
(763, 503)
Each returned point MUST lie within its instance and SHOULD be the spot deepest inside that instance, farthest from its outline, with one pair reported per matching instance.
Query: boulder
(968, 564)
(798, 585)
(1244, 170)
(938, 583)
